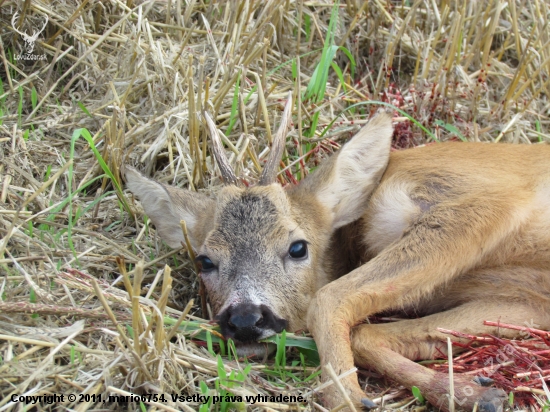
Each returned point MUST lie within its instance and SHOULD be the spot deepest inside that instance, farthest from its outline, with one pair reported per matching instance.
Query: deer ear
(345, 182)
(166, 206)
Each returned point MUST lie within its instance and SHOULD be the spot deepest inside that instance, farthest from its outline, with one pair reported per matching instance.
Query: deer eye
(205, 264)
(298, 250)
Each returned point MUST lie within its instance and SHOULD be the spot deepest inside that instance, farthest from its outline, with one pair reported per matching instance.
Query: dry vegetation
(136, 75)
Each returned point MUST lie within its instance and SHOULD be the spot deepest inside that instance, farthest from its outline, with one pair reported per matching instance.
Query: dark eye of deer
(298, 250)
(205, 264)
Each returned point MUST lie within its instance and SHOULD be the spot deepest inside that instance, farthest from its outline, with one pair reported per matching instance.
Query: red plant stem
(465, 335)
(546, 372)
(538, 332)
(491, 369)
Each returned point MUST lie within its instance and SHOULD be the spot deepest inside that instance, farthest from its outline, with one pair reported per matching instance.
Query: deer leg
(435, 250)
(390, 349)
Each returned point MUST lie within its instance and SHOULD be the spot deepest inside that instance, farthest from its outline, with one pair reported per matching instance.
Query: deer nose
(248, 322)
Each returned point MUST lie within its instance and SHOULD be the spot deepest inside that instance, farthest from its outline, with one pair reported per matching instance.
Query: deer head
(262, 250)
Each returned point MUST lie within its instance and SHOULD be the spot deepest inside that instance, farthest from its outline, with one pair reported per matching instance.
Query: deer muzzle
(248, 322)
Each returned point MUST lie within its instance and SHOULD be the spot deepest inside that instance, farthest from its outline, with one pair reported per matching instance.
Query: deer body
(479, 177)
(456, 233)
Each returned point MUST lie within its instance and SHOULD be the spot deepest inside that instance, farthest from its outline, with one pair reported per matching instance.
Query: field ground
(113, 82)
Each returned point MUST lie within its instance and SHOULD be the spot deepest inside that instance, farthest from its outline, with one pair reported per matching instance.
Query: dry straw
(138, 75)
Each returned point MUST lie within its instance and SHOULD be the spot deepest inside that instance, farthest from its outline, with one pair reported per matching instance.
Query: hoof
(368, 404)
(483, 381)
(492, 400)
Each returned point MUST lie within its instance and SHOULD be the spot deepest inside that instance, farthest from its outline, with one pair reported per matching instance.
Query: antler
(25, 35)
(14, 25)
(36, 33)
(228, 175)
(269, 173)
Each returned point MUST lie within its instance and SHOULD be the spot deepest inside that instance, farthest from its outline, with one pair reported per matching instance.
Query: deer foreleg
(444, 243)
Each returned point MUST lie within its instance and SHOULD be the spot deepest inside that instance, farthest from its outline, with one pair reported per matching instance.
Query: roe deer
(456, 233)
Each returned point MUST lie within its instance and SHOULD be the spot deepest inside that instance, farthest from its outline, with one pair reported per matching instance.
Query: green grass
(545, 403)
(451, 129)
(418, 396)
(275, 70)
(234, 106)
(34, 98)
(307, 26)
(20, 106)
(305, 354)
(83, 108)
(316, 87)
(73, 354)
(118, 189)
(2, 102)
(33, 299)
(205, 391)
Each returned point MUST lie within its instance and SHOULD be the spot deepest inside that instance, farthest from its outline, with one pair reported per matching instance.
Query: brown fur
(456, 232)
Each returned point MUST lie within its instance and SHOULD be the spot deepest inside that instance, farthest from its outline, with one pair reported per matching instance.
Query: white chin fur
(254, 350)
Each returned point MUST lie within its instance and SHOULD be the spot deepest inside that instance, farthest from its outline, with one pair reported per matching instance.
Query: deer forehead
(255, 217)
